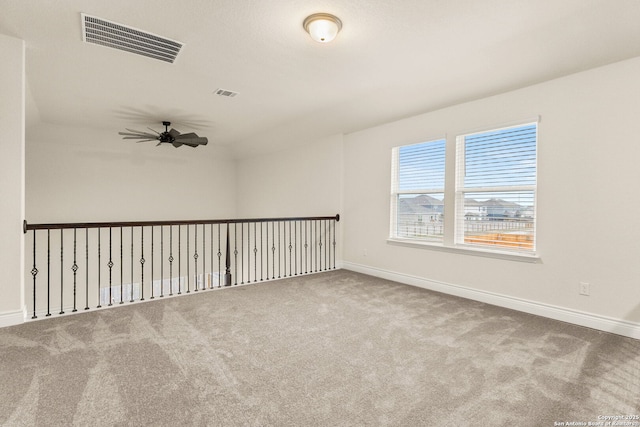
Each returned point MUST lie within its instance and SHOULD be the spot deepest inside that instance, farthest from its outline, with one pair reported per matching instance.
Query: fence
(109, 263)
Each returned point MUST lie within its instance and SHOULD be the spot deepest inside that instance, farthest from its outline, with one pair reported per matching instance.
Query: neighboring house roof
(424, 204)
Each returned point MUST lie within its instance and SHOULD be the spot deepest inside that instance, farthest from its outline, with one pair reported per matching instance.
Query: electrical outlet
(584, 288)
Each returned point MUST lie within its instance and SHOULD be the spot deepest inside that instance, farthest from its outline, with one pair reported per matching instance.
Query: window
(417, 194)
(496, 188)
(492, 196)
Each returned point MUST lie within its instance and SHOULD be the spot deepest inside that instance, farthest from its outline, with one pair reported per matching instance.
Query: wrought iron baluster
(326, 246)
(99, 271)
(306, 249)
(284, 249)
(34, 273)
(61, 272)
(122, 265)
(220, 256)
(299, 246)
(179, 260)
(279, 262)
(318, 247)
(266, 250)
(48, 273)
(151, 263)
(131, 281)
(74, 268)
(235, 253)
(290, 247)
(273, 250)
(227, 262)
(334, 244)
(195, 255)
(212, 267)
(204, 258)
(110, 265)
(312, 246)
(188, 278)
(242, 253)
(322, 246)
(86, 270)
(295, 248)
(142, 261)
(227, 257)
(170, 261)
(248, 253)
(255, 252)
(261, 250)
(162, 258)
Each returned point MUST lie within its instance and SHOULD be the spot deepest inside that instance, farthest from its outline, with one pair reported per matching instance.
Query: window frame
(451, 242)
(396, 192)
(460, 191)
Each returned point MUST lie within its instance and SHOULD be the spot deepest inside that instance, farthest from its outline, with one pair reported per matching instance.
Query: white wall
(588, 203)
(301, 181)
(11, 178)
(76, 175)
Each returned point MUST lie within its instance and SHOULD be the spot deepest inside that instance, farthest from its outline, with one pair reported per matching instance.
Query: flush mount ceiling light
(322, 27)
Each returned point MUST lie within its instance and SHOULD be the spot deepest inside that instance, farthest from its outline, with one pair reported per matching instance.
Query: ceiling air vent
(227, 93)
(118, 36)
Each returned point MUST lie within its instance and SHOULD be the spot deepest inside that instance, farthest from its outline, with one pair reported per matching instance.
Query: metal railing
(110, 263)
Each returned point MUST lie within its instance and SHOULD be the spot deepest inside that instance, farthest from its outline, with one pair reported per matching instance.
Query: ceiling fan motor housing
(166, 136)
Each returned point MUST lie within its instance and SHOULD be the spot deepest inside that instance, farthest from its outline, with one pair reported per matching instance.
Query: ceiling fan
(172, 137)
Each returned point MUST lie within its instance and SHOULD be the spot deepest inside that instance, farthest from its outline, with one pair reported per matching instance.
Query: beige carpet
(331, 349)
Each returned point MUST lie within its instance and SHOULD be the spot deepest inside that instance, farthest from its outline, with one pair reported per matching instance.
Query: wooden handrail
(57, 226)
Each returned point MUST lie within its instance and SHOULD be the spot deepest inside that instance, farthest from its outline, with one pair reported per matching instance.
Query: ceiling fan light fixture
(322, 27)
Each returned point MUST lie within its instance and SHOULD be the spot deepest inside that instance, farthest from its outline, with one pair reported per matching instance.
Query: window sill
(466, 250)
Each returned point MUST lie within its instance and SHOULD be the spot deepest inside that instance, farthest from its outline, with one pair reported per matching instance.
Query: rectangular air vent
(118, 36)
(224, 92)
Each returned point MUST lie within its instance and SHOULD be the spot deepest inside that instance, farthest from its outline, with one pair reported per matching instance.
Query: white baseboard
(10, 318)
(590, 320)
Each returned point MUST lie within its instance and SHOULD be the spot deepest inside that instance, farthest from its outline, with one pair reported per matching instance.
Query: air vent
(121, 37)
(224, 92)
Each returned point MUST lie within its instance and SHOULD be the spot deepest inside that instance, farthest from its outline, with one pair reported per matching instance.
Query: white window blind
(417, 193)
(496, 188)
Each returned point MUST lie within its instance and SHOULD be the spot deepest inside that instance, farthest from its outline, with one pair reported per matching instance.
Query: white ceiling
(392, 59)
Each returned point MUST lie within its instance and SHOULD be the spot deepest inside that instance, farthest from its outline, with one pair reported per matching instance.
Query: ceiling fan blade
(176, 144)
(145, 140)
(139, 137)
(155, 131)
(141, 131)
(187, 135)
(137, 131)
(193, 141)
(174, 133)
